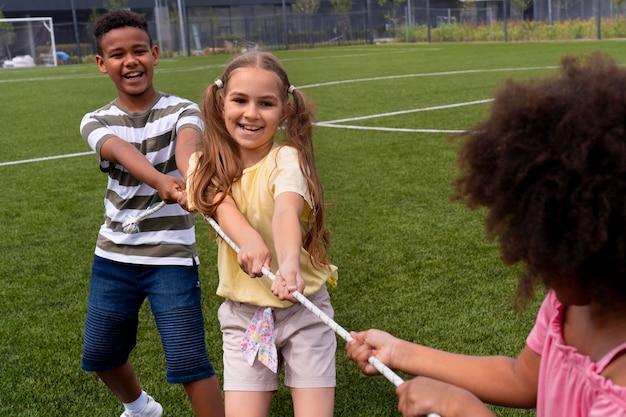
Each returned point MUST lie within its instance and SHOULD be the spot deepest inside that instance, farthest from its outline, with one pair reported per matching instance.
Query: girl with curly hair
(549, 165)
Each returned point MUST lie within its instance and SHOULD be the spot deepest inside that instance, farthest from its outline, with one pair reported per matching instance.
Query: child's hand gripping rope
(380, 367)
(130, 226)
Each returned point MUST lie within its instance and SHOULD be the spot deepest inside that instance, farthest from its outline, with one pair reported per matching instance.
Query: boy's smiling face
(129, 60)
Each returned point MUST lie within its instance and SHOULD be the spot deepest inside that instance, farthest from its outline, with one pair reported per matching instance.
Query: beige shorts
(306, 347)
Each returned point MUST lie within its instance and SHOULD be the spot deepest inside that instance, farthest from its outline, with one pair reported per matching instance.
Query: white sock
(138, 405)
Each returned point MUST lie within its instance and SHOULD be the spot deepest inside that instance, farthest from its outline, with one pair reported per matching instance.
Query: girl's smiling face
(253, 108)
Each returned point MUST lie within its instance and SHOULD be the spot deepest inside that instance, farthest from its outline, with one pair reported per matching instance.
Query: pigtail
(219, 164)
(299, 134)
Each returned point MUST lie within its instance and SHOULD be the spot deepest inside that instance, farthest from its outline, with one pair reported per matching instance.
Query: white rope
(131, 226)
(380, 367)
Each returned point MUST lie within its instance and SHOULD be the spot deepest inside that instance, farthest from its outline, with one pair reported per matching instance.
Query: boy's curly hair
(549, 164)
(116, 19)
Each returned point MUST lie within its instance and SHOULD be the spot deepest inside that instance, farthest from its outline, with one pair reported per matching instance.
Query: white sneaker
(153, 409)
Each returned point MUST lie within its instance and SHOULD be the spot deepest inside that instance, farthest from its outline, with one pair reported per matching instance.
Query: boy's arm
(121, 152)
(187, 142)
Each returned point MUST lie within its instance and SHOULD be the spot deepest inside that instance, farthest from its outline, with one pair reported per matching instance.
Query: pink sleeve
(539, 332)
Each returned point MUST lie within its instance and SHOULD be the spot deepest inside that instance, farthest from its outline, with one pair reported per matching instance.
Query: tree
(342, 8)
(115, 4)
(392, 14)
(619, 6)
(108, 6)
(7, 37)
(566, 6)
(520, 6)
(307, 8)
(93, 16)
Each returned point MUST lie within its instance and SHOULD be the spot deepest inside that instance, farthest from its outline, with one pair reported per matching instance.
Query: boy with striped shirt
(144, 139)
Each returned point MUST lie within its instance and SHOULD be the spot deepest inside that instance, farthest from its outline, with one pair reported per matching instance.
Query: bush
(71, 49)
(517, 30)
(89, 59)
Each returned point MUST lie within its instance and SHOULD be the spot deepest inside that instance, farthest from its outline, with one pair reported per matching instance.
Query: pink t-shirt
(570, 384)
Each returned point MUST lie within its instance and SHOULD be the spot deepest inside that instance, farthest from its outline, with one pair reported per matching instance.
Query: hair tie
(291, 89)
(219, 83)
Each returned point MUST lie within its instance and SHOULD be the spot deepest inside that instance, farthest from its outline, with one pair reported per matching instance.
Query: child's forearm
(121, 152)
(232, 222)
(287, 238)
(253, 252)
(494, 379)
(286, 227)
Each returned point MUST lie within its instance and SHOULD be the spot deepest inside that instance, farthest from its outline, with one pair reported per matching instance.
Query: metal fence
(218, 32)
(548, 11)
(206, 30)
(277, 32)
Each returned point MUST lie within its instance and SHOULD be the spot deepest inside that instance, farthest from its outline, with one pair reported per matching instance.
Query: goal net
(27, 42)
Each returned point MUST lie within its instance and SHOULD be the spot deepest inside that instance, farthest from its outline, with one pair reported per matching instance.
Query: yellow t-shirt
(254, 194)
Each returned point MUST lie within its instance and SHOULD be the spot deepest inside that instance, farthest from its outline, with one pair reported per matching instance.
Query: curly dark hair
(116, 19)
(549, 164)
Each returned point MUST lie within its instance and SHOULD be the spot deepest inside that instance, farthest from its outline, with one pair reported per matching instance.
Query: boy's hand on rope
(170, 188)
(182, 199)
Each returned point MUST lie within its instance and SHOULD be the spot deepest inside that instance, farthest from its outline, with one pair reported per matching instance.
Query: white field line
(396, 113)
(390, 129)
(96, 74)
(331, 123)
(99, 75)
(431, 74)
(46, 158)
(327, 57)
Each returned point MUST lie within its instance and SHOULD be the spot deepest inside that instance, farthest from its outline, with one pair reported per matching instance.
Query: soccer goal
(27, 42)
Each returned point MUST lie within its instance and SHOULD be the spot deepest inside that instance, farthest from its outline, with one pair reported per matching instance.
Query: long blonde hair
(220, 165)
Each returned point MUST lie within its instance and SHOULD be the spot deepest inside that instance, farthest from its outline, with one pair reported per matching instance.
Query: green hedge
(525, 30)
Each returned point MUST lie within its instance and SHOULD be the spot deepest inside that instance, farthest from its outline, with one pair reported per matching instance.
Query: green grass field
(410, 261)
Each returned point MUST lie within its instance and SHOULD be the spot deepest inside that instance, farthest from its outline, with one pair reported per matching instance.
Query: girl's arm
(497, 380)
(118, 151)
(253, 252)
(288, 244)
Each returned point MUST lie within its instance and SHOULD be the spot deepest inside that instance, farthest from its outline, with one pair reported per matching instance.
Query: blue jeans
(116, 293)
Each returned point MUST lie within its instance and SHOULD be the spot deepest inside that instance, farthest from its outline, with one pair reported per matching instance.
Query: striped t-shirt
(166, 237)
